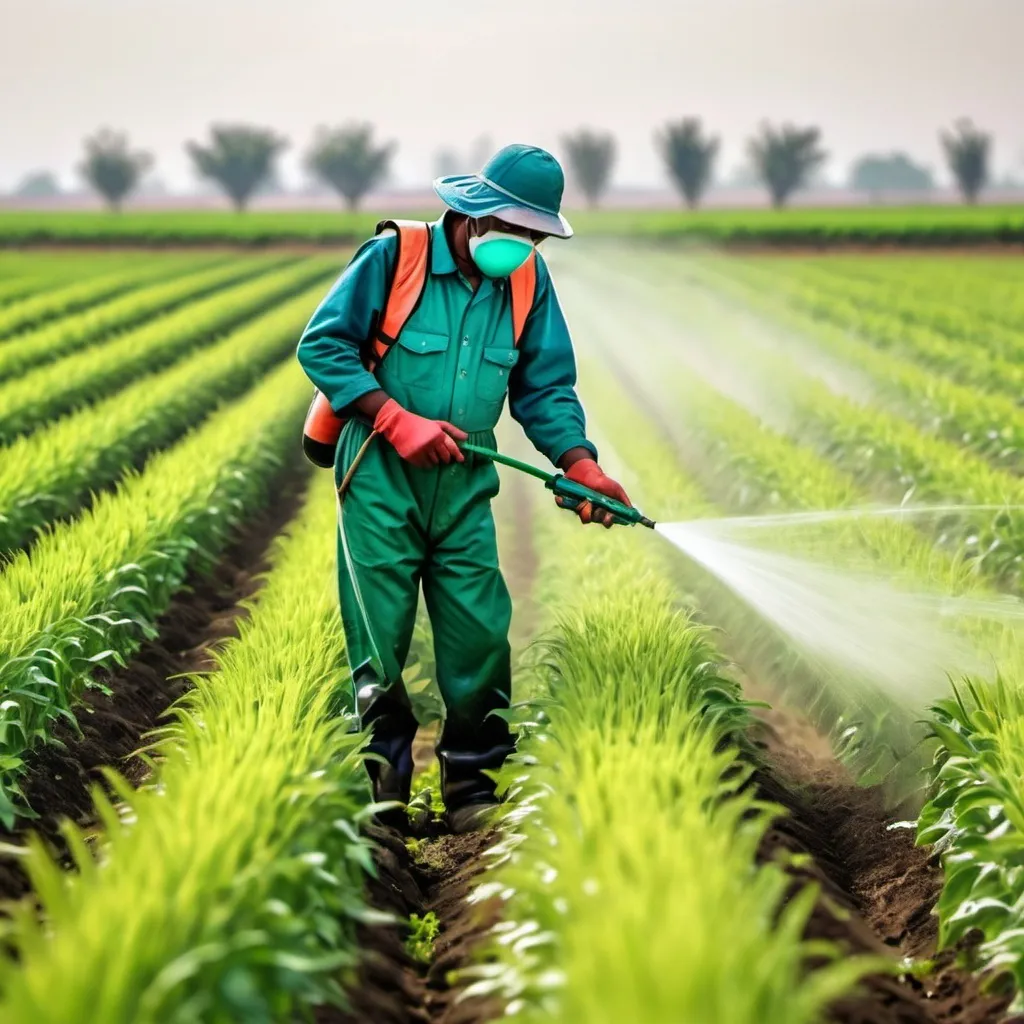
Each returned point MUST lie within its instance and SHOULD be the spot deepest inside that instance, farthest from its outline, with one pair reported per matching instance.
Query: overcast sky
(874, 74)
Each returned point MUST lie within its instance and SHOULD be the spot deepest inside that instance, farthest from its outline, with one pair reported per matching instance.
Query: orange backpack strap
(408, 282)
(523, 284)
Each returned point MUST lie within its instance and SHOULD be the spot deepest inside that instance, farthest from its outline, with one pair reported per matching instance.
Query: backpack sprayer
(570, 494)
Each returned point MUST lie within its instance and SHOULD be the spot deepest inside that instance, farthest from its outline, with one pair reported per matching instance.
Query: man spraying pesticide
(413, 353)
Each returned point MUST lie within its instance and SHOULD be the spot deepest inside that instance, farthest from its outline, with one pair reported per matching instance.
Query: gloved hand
(421, 442)
(588, 473)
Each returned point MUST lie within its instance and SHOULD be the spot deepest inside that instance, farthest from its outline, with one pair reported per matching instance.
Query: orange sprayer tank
(321, 432)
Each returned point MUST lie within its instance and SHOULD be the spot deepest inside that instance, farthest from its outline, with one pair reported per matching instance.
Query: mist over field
(876, 75)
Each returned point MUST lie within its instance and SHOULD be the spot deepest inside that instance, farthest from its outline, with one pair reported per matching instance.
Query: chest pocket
(418, 359)
(495, 366)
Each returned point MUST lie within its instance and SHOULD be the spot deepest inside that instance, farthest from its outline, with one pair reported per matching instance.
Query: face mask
(498, 253)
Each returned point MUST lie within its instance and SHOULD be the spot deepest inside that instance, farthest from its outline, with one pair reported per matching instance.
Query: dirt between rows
(436, 875)
(204, 613)
(884, 886)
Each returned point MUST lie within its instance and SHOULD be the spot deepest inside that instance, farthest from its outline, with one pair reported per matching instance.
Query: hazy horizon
(874, 75)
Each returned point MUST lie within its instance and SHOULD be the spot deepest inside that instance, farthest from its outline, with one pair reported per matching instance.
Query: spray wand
(572, 494)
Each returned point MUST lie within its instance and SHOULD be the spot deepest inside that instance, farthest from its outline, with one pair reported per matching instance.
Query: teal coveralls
(401, 527)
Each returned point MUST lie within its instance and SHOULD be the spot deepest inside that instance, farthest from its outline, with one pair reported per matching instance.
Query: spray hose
(569, 493)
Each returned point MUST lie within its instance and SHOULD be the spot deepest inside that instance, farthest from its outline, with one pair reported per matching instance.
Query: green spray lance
(572, 494)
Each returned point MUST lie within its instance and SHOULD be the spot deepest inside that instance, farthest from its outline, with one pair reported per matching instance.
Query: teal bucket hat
(520, 184)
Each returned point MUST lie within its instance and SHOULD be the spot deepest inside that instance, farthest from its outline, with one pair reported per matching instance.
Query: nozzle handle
(571, 495)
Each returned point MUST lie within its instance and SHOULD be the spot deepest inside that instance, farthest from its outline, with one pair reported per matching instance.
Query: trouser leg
(380, 553)
(470, 612)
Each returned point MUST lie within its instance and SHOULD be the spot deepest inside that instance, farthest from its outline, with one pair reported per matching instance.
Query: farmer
(483, 322)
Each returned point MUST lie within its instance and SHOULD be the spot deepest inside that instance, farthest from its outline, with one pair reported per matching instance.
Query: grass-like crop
(631, 885)
(974, 816)
(181, 285)
(92, 589)
(82, 378)
(970, 351)
(228, 887)
(923, 225)
(37, 309)
(51, 473)
(975, 820)
(961, 407)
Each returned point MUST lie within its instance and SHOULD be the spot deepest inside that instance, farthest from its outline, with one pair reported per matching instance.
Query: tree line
(240, 159)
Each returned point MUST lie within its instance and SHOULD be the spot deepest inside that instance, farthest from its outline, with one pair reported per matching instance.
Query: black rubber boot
(464, 757)
(392, 728)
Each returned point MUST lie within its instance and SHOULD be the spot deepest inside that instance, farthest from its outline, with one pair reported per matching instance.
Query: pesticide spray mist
(907, 642)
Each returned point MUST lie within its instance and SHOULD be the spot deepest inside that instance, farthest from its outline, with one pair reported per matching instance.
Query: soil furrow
(882, 884)
(205, 612)
(432, 872)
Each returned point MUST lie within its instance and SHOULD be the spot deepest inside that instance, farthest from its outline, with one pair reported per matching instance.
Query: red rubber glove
(588, 473)
(421, 442)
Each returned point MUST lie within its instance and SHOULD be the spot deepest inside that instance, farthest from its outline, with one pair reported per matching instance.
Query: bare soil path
(434, 873)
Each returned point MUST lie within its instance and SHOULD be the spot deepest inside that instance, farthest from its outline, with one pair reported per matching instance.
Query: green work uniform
(401, 527)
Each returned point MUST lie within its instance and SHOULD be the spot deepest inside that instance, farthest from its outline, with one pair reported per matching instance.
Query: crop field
(702, 824)
(923, 226)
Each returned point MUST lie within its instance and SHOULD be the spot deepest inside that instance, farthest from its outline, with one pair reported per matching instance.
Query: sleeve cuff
(558, 450)
(340, 400)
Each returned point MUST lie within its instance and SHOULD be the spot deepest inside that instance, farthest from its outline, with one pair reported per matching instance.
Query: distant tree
(785, 158)
(895, 172)
(37, 185)
(239, 158)
(111, 168)
(967, 153)
(689, 156)
(591, 156)
(347, 159)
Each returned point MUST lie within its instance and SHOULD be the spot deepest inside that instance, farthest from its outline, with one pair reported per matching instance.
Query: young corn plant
(91, 590)
(53, 390)
(974, 815)
(631, 816)
(37, 309)
(51, 473)
(187, 283)
(229, 886)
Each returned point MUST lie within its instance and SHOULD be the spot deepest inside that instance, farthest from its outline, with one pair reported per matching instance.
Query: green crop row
(38, 308)
(990, 424)
(976, 811)
(926, 225)
(630, 885)
(880, 451)
(986, 289)
(991, 361)
(975, 819)
(21, 287)
(92, 589)
(26, 274)
(989, 318)
(80, 379)
(51, 473)
(752, 469)
(229, 885)
(71, 333)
